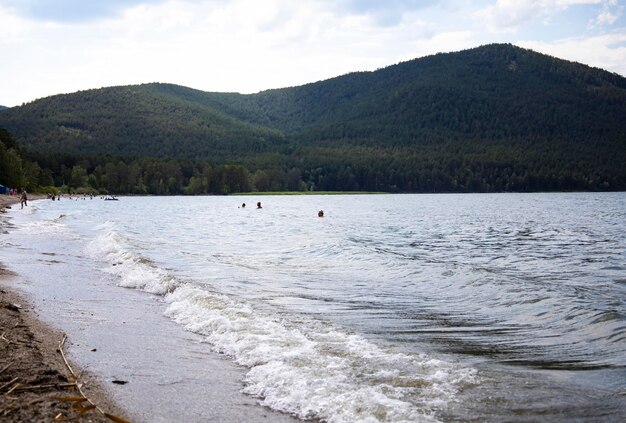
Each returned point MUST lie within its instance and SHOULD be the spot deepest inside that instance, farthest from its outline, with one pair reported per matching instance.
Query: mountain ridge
(497, 106)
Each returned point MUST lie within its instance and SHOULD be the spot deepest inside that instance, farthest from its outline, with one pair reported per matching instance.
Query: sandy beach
(36, 381)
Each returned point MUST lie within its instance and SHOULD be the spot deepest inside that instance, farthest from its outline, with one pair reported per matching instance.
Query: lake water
(395, 308)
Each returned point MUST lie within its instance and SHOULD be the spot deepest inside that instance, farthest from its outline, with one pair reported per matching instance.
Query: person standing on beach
(23, 198)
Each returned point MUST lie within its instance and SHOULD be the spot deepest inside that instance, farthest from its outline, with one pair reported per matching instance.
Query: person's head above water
(258, 205)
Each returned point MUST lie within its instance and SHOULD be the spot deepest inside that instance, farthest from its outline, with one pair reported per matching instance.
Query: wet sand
(35, 381)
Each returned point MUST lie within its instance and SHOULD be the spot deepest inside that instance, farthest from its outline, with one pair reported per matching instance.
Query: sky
(52, 47)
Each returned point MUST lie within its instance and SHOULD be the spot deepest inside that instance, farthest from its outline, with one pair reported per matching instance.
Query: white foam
(42, 226)
(133, 270)
(315, 370)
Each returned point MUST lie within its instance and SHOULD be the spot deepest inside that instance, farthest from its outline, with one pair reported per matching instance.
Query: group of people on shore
(23, 194)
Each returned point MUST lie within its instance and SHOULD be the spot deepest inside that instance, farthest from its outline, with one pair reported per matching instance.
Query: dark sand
(36, 384)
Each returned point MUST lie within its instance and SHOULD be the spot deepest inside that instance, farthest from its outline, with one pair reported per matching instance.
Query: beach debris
(6, 385)
(77, 404)
(58, 386)
(17, 385)
(6, 367)
(78, 401)
(115, 418)
(119, 382)
(13, 307)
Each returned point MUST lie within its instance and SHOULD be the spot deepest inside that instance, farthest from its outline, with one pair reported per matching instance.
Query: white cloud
(610, 13)
(508, 16)
(604, 51)
(606, 18)
(13, 26)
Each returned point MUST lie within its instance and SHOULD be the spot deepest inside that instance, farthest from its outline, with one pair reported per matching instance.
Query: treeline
(447, 167)
(333, 169)
(439, 168)
(18, 172)
(163, 176)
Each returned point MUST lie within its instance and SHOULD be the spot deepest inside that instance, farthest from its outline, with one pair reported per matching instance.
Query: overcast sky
(60, 46)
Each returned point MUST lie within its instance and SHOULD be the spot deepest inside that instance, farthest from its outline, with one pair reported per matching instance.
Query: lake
(394, 308)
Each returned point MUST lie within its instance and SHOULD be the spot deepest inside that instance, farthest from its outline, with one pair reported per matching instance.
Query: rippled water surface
(504, 307)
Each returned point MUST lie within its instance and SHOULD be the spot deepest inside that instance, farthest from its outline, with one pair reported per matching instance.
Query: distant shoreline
(307, 193)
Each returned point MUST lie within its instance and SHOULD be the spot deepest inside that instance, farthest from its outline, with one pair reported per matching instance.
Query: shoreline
(36, 383)
(133, 361)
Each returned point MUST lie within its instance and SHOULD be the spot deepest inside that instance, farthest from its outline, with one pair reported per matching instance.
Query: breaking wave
(306, 367)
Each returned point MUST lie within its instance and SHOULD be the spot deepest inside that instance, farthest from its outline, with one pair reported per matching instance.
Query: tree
(11, 171)
(79, 177)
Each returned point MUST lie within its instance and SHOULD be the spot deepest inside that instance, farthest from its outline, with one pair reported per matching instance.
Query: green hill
(132, 121)
(493, 118)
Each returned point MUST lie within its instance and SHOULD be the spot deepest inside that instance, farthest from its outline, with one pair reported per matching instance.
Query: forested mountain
(132, 121)
(493, 118)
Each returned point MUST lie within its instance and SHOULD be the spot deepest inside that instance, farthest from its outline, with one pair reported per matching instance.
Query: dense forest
(18, 172)
(490, 119)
